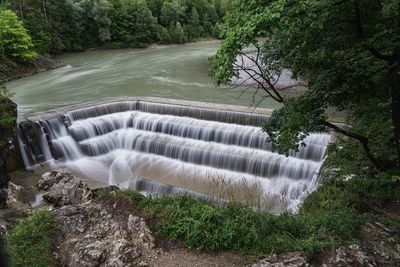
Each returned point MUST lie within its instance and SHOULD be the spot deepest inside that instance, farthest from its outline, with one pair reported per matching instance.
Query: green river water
(178, 72)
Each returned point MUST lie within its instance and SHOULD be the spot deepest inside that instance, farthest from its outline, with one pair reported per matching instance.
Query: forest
(63, 26)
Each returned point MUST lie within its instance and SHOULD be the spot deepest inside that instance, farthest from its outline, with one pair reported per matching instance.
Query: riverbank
(123, 228)
(10, 70)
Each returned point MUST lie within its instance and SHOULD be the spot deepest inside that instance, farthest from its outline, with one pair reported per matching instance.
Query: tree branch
(360, 31)
(363, 141)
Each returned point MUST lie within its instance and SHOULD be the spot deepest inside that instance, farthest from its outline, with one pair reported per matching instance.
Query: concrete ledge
(178, 102)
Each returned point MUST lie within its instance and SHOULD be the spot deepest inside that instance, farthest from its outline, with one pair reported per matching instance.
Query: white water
(129, 147)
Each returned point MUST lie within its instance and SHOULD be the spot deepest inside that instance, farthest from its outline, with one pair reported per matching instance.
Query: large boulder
(62, 188)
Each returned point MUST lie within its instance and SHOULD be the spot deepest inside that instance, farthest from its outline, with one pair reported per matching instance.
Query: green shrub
(330, 197)
(29, 244)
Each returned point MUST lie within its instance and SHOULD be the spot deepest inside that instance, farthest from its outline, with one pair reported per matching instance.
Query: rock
(382, 243)
(352, 255)
(290, 259)
(3, 227)
(110, 188)
(94, 232)
(63, 188)
(94, 237)
(12, 193)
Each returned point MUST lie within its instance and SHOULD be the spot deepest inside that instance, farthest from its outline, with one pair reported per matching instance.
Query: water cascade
(164, 148)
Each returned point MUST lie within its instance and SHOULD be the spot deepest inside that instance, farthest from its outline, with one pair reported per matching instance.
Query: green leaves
(244, 23)
(15, 43)
(288, 126)
(333, 45)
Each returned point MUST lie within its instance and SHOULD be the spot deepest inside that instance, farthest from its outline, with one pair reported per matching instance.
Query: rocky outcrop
(62, 188)
(92, 236)
(103, 232)
(8, 110)
(352, 255)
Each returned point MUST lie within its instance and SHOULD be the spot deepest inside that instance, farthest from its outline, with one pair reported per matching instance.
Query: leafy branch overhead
(348, 51)
(294, 121)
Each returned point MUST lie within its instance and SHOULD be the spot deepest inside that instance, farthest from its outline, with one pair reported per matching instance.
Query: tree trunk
(395, 94)
(363, 141)
(395, 102)
(21, 13)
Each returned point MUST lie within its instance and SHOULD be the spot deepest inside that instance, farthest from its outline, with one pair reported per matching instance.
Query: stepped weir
(161, 148)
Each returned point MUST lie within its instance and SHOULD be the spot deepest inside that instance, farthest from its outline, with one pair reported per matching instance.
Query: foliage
(346, 157)
(73, 25)
(386, 186)
(347, 50)
(294, 121)
(28, 243)
(133, 23)
(8, 119)
(15, 43)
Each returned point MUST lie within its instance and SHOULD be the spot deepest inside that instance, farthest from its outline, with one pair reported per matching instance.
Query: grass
(329, 217)
(29, 244)
(233, 227)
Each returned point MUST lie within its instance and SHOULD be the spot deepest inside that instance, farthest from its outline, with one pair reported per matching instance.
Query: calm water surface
(178, 72)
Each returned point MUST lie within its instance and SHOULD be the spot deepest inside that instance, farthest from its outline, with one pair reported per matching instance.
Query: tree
(73, 25)
(171, 12)
(176, 33)
(15, 43)
(100, 11)
(193, 28)
(133, 23)
(348, 51)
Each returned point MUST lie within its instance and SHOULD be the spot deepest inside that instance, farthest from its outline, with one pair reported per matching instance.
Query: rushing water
(178, 72)
(155, 147)
(165, 148)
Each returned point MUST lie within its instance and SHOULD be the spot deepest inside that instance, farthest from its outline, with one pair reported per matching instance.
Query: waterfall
(162, 148)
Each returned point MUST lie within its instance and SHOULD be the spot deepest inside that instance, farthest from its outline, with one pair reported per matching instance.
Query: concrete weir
(163, 146)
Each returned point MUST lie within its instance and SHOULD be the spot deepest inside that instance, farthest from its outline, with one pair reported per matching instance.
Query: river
(178, 72)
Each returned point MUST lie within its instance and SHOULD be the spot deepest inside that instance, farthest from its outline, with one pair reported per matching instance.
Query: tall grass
(234, 227)
(241, 191)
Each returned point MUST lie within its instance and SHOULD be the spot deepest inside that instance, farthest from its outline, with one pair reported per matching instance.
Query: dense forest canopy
(348, 50)
(72, 25)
